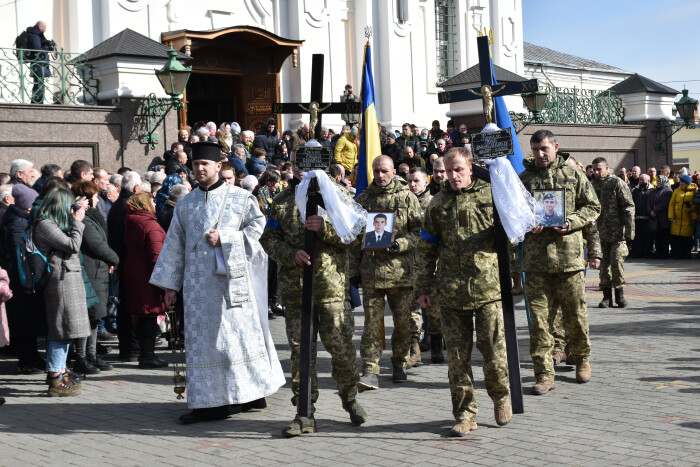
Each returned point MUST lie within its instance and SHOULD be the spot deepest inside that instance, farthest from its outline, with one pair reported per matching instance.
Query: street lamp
(173, 77)
(534, 101)
(687, 109)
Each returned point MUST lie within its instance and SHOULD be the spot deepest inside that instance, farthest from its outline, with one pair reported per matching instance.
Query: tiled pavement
(642, 406)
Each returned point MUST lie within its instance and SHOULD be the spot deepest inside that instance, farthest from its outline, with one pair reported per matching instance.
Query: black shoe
(128, 357)
(103, 349)
(271, 315)
(152, 361)
(277, 309)
(190, 418)
(368, 381)
(82, 366)
(97, 362)
(254, 405)
(400, 375)
(106, 336)
(34, 369)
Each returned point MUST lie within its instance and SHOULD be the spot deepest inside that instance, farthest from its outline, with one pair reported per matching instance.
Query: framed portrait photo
(379, 232)
(551, 204)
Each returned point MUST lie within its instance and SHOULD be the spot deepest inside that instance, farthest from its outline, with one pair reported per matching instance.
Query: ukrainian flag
(504, 121)
(369, 132)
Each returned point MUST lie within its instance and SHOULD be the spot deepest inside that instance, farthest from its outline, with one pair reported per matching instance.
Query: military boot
(620, 298)
(416, 359)
(436, 355)
(607, 301)
(358, 416)
(300, 425)
(517, 284)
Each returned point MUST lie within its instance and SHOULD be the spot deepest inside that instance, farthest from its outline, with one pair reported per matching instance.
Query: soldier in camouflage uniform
(387, 274)
(515, 269)
(458, 238)
(283, 240)
(558, 325)
(418, 184)
(553, 261)
(615, 224)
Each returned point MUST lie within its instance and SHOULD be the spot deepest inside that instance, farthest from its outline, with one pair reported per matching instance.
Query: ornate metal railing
(62, 78)
(572, 105)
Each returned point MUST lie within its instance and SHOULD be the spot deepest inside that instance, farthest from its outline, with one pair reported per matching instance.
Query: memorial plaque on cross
(491, 145)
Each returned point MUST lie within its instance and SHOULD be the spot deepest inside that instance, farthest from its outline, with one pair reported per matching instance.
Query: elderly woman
(144, 239)
(58, 233)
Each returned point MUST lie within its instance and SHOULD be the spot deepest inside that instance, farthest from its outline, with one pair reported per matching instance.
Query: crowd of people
(125, 247)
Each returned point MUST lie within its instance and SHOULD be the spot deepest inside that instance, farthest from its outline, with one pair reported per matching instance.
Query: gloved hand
(356, 282)
(393, 248)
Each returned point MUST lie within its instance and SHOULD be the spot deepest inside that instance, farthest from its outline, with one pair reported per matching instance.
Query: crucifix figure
(487, 94)
(485, 91)
(313, 110)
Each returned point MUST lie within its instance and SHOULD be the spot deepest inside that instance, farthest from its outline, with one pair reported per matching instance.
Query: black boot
(83, 367)
(620, 298)
(425, 343)
(147, 358)
(436, 355)
(607, 301)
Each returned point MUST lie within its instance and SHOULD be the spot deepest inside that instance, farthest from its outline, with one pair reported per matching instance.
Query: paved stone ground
(642, 406)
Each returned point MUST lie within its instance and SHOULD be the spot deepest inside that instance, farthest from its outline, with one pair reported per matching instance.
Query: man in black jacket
(268, 139)
(39, 60)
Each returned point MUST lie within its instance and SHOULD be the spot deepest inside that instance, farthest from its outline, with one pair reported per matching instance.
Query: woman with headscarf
(657, 204)
(225, 130)
(144, 239)
(683, 216)
(162, 195)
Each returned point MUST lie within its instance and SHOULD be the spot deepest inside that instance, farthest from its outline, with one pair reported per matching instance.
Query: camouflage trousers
(415, 322)
(491, 342)
(335, 324)
(401, 304)
(568, 289)
(558, 327)
(612, 267)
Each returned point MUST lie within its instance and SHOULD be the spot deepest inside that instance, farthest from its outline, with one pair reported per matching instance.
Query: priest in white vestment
(212, 252)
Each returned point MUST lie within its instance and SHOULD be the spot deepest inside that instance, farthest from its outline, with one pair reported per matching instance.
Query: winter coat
(268, 141)
(64, 295)
(682, 211)
(144, 239)
(97, 258)
(40, 60)
(395, 152)
(237, 164)
(416, 161)
(254, 162)
(411, 141)
(14, 223)
(658, 202)
(165, 215)
(91, 298)
(549, 251)
(346, 151)
(115, 224)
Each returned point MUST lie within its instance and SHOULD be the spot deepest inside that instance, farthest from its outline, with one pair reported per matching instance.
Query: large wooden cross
(486, 92)
(316, 108)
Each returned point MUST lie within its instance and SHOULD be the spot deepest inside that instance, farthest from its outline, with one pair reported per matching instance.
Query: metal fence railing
(46, 77)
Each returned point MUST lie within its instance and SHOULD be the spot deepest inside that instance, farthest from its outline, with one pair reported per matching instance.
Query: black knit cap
(206, 150)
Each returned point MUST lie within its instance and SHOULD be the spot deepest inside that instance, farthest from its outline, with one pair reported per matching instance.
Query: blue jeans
(56, 355)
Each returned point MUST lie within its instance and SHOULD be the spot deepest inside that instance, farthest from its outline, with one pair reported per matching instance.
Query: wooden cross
(316, 108)
(486, 92)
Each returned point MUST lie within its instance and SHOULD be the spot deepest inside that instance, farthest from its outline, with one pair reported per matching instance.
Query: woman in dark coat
(25, 312)
(657, 204)
(144, 238)
(99, 261)
(58, 233)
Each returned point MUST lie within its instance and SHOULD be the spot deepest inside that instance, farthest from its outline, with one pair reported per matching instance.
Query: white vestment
(231, 358)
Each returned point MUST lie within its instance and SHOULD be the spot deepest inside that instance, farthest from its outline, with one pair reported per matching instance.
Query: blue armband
(430, 238)
(274, 224)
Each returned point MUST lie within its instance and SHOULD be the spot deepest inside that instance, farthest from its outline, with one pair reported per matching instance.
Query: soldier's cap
(206, 150)
(549, 196)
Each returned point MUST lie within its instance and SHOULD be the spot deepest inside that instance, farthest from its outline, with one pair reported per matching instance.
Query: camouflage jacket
(458, 229)
(284, 236)
(550, 251)
(616, 221)
(383, 270)
(424, 200)
(592, 239)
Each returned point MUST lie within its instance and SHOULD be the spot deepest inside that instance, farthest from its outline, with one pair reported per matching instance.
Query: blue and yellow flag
(369, 133)
(504, 121)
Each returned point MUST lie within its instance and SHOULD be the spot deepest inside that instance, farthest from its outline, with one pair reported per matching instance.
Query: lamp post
(173, 77)
(687, 109)
(534, 101)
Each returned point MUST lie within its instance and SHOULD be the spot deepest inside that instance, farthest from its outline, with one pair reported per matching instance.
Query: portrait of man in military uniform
(378, 236)
(553, 214)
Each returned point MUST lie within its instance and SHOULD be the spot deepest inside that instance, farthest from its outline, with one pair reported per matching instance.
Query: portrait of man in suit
(380, 236)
